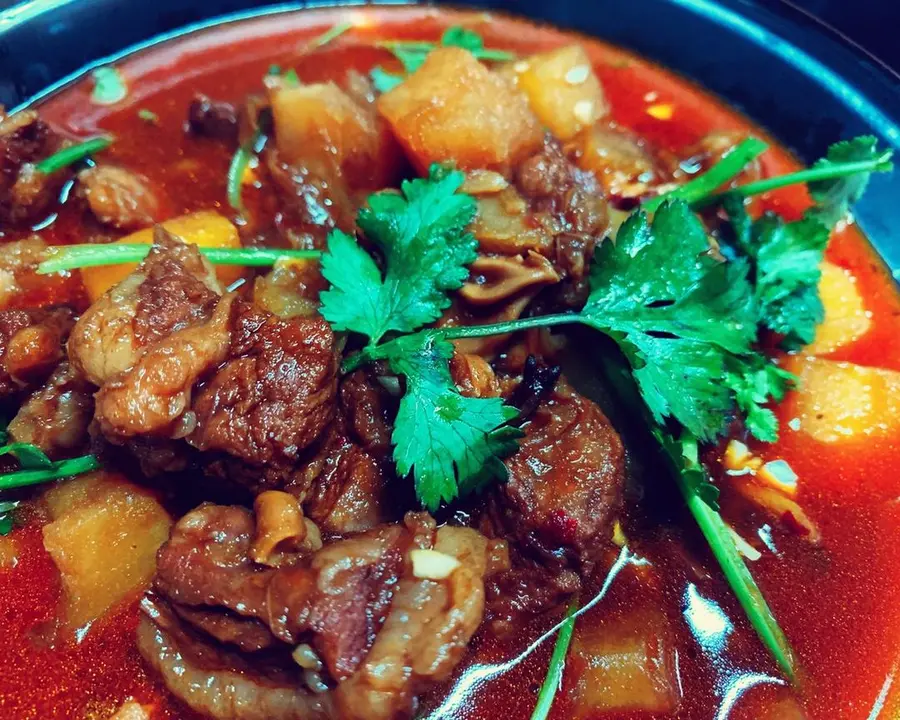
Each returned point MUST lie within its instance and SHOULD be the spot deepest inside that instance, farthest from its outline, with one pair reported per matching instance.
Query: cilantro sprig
(426, 248)
(448, 443)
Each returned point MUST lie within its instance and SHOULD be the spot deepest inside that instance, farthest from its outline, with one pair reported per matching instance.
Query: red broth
(837, 602)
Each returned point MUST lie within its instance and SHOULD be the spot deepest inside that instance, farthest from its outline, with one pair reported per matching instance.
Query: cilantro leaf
(109, 86)
(412, 54)
(452, 444)
(676, 312)
(756, 381)
(786, 259)
(383, 80)
(833, 196)
(426, 250)
(6, 516)
(30, 456)
(458, 36)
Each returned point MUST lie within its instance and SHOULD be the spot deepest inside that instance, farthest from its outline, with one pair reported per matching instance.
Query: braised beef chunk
(178, 289)
(565, 482)
(213, 119)
(120, 198)
(570, 204)
(346, 610)
(345, 488)
(171, 290)
(270, 399)
(26, 195)
(56, 417)
(31, 346)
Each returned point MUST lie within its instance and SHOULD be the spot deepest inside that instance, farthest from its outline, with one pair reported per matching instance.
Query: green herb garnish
(422, 234)
(72, 154)
(148, 116)
(412, 54)
(6, 516)
(703, 186)
(70, 257)
(109, 86)
(329, 35)
(553, 679)
(55, 471)
(239, 164)
(835, 181)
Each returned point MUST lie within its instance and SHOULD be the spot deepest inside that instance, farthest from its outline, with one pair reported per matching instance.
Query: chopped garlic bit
(619, 538)
(577, 74)
(651, 96)
(306, 657)
(521, 66)
(779, 475)
(584, 111)
(736, 454)
(663, 111)
(432, 565)
(743, 547)
(794, 424)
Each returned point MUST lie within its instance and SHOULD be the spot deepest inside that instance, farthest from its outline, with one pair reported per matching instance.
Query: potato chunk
(839, 402)
(846, 318)
(629, 666)
(322, 127)
(563, 90)
(103, 538)
(204, 229)
(454, 109)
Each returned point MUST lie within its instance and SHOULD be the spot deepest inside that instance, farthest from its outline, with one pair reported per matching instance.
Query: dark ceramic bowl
(796, 78)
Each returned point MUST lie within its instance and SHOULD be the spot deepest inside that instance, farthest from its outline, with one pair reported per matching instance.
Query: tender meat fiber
(180, 289)
(271, 399)
(213, 119)
(565, 482)
(222, 684)
(372, 610)
(526, 590)
(25, 194)
(152, 398)
(173, 288)
(345, 487)
(119, 197)
(56, 417)
(290, 289)
(31, 346)
(367, 410)
(310, 205)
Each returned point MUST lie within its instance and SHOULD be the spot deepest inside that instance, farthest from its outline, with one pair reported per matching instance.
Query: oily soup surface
(836, 601)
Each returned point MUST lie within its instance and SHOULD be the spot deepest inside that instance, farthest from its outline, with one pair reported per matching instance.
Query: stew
(401, 362)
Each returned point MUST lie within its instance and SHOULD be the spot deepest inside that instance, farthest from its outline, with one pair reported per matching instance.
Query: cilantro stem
(70, 257)
(426, 47)
(238, 167)
(736, 571)
(376, 352)
(700, 188)
(832, 171)
(329, 35)
(553, 679)
(60, 469)
(72, 154)
(683, 465)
